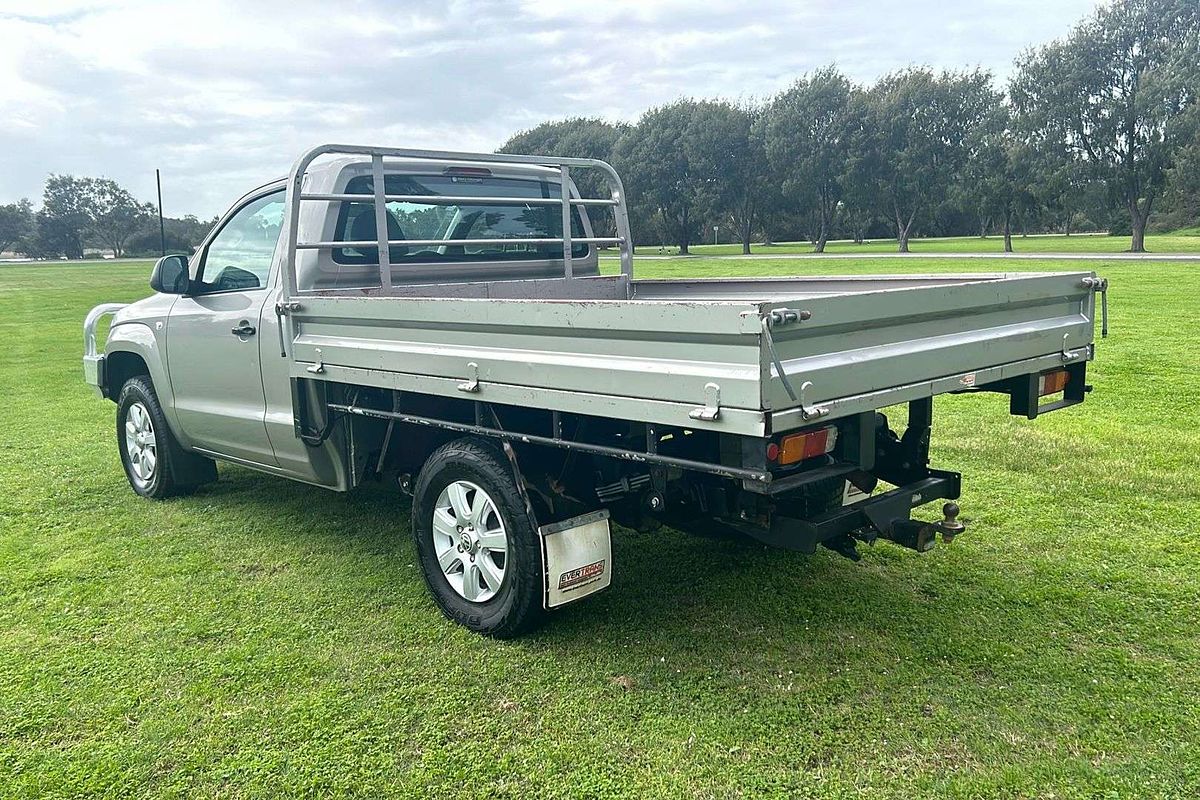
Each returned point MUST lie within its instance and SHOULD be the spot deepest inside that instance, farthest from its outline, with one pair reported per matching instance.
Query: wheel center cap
(467, 540)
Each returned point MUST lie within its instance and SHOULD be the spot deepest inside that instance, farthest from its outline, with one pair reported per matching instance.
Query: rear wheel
(478, 549)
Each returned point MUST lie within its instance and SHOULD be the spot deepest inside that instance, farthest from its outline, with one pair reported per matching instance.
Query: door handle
(244, 329)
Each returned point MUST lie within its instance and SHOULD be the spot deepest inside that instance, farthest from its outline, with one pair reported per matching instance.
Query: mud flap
(576, 558)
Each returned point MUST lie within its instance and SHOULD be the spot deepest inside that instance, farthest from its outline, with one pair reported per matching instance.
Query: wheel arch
(133, 349)
(120, 366)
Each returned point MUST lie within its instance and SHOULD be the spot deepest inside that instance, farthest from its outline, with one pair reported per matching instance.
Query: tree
(1000, 171)
(1117, 93)
(115, 215)
(808, 130)
(16, 223)
(181, 235)
(577, 137)
(919, 121)
(65, 217)
(862, 191)
(1182, 194)
(668, 161)
(723, 146)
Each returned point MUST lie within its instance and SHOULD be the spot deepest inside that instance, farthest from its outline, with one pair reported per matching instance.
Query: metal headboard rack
(296, 195)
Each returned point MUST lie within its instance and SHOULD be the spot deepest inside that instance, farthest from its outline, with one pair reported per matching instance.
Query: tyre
(477, 546)
(155, 464)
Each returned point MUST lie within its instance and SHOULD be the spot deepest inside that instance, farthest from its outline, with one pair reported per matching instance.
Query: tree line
(1095, 131)
(80, 213)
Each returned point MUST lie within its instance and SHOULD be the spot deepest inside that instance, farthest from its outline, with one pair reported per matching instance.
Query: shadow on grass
(670, 590)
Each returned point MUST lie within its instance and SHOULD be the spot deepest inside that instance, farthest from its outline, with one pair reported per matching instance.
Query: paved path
(959, 256)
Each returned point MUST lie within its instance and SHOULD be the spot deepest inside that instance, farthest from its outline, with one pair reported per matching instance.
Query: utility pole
(162, 234)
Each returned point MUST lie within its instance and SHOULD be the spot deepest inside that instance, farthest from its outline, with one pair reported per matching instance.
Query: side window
(240, 256)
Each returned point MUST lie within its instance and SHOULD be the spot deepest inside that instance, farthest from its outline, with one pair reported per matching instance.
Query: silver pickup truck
(441, 320)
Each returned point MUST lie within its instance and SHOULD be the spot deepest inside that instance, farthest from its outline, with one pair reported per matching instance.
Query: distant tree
(1059, 187)
(919, 121)
(863, 202)
(63, 223)
(723, 146)
(807, 131)
(1117, 93)
(577, 137)
(1182, 194)
(999, 172)
(181, 235)
(16, 223)
(115, 215)
(669, 163)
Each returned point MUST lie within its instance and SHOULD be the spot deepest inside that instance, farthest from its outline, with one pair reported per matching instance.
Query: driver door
(212, 346)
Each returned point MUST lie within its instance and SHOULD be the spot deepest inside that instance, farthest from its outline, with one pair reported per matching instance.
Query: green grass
(265, 638)
(1185, 241)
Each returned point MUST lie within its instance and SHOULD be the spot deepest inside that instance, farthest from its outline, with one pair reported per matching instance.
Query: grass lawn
(1185, 241)
(265, 638)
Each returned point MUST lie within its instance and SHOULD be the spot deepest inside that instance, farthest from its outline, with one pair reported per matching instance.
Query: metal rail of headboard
(380, 198)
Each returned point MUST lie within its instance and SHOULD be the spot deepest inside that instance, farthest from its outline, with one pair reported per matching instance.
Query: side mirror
(170, 275)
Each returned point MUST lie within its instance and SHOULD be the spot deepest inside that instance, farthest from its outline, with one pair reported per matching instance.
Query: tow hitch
(884, 516)
(922, 536)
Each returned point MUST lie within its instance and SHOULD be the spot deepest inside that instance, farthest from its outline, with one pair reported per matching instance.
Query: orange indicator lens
(803, 446)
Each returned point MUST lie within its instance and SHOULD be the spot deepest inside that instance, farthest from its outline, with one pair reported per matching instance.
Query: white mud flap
(576, 558)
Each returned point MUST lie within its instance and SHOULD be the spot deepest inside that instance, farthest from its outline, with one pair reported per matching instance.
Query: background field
(1186, 241)
(265, 637)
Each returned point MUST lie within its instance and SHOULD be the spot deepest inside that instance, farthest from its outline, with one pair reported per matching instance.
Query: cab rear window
(463, 220)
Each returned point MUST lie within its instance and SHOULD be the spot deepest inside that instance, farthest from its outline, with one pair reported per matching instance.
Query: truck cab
(213, 335)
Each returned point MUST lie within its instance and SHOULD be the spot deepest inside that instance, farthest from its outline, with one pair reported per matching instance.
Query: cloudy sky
(223, 95)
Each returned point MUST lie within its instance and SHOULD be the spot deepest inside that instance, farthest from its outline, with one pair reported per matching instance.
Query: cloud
(223, 95)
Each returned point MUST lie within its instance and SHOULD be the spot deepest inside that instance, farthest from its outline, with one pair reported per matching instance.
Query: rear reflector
(1052, 382)
(802, 446)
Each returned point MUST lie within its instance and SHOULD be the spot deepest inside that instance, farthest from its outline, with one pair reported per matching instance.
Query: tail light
(1053, 382)
(802, 446)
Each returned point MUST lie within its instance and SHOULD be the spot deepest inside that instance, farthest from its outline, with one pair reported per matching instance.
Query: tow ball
(949, 525)
(922, 536)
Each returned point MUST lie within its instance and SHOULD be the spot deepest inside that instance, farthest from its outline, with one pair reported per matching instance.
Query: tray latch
(712, 404)
(471, 384)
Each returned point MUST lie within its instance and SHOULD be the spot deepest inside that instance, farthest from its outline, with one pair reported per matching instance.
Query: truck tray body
(864, 343)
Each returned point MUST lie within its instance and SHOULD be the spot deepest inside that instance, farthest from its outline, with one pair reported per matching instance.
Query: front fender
(138, 339)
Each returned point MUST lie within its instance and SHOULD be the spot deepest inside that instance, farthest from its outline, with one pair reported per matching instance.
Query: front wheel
(478, 549)
(155, 464)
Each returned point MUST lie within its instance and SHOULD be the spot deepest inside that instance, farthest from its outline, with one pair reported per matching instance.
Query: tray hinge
(778, 317)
